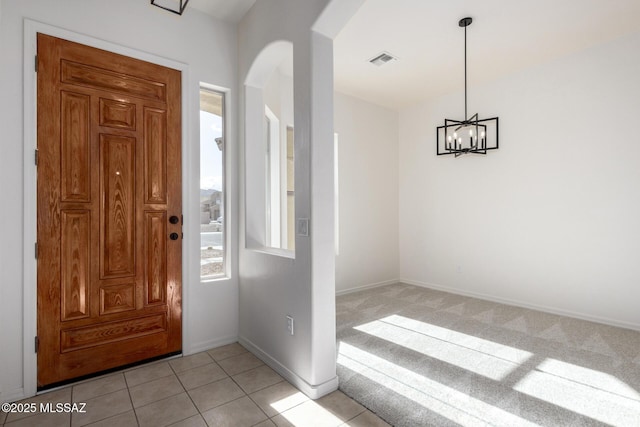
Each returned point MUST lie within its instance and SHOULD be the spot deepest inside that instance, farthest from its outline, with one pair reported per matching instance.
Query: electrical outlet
(290, 325)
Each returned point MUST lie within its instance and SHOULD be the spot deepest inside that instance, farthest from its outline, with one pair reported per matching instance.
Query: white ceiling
(226, 10)
(506, 35)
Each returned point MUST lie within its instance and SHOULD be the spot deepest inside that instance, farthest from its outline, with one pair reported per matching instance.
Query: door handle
(174, 219)
(173, 236)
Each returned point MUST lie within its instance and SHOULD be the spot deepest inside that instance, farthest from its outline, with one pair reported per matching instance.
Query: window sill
(210, 279)
(283, 253)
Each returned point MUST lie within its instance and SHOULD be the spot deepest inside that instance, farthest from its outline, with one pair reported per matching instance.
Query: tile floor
(226, 386)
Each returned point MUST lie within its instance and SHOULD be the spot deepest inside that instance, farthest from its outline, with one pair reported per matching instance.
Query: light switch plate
(302, 226)
(290, 324)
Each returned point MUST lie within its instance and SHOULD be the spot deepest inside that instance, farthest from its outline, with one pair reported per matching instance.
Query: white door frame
(30, 299)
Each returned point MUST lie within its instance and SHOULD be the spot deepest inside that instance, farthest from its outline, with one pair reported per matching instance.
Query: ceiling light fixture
(471, 135)
(174, 6)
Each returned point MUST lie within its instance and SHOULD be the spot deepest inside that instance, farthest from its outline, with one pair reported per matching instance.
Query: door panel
(156, 250)
(117, 298)
(75, 237)
(155, 155)
(76, 183)
(117, 213)
(109, 177)
(117, 114)
(84, 75)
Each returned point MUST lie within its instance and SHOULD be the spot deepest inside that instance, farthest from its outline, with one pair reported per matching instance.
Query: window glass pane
(272, 179)
(290, 218)
(212, 185)
(279, 159)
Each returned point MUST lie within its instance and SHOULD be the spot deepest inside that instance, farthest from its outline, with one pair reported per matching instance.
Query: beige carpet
(419, 357)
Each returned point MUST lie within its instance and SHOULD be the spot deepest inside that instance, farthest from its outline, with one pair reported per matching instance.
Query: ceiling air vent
(382, 59)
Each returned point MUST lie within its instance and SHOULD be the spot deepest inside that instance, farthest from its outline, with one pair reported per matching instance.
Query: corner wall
(273, 286)
(551, 219)
(368, 194)
(209, 48)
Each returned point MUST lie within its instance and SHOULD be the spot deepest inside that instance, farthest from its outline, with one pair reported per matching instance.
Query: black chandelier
(471, 135)
(175, 6)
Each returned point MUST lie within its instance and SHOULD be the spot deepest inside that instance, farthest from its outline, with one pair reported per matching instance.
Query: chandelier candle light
(471, 135)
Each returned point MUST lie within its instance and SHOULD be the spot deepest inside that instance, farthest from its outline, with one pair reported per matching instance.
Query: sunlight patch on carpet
(491, 360)
(439, 398)
(582, 399)
(589, 377)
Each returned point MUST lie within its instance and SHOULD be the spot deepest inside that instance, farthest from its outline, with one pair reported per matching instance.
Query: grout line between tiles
(184, 390)
(108, 418)
(72, 401)
(135, 414)
(189, 395)
(256, 403)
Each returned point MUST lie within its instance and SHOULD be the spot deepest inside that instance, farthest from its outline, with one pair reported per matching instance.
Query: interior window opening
(278, 146)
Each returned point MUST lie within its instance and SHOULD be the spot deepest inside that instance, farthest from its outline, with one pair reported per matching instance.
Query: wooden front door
(109, 211)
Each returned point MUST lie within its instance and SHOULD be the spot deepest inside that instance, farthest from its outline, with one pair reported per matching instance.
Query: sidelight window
(213, 221)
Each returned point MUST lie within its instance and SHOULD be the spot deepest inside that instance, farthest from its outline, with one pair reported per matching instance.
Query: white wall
(271, 285)
(368, 191)
(209, 48)
(278, 95)
(552, 218)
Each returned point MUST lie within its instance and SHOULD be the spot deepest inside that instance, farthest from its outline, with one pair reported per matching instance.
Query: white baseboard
(518, 303)
(209, 344)
(365, 287)
(12, 395)
(312, 391)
